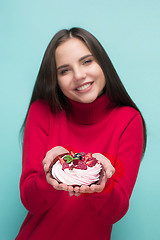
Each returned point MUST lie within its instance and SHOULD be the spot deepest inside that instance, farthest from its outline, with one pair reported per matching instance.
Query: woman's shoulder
(127, 111)
(39, 111)
(126, 114)
(40, 107)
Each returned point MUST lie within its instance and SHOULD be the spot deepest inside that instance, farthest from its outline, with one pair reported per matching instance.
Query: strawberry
(91, 162)
(61, 160)
(87, 156)
(71, 153)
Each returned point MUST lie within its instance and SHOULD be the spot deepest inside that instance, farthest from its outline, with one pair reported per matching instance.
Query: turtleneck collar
(90, 113)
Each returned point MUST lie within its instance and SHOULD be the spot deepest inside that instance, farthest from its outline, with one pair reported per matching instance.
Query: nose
(79, 74)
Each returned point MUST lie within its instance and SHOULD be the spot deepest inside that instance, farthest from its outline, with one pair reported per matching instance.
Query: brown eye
(87, 61)
(64, 71)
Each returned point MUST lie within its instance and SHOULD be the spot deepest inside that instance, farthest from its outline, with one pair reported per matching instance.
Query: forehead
(72, 49)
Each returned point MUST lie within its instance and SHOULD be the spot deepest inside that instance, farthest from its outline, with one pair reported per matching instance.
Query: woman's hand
(77, 191)
(109, 170)
(50, 156)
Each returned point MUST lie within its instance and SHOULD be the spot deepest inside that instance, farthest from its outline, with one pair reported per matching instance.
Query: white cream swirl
(76, 176)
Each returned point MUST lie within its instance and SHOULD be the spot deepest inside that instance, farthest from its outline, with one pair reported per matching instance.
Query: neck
(90, 113)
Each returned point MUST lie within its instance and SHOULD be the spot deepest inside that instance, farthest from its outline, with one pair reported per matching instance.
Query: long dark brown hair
(46, 85)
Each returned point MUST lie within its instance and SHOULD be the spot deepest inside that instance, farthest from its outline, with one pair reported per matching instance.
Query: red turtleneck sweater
(101, 127)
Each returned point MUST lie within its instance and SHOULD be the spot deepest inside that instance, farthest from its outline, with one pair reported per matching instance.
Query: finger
(110, 171)
(98, 188)
(54, 183)
(84, 189)
(93, 188)
(63, 186)
(46, 163)
(77, 194)
(77, 189)
(52, 154)
(71, 193)
(70, 188)
(74, 194)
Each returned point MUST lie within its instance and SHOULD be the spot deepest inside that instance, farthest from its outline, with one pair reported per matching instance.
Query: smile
(85, 86)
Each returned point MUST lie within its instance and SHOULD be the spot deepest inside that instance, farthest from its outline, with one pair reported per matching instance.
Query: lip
(86, 89)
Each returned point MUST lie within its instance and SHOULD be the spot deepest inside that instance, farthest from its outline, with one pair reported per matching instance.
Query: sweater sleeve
(113, 202)
(36, 194)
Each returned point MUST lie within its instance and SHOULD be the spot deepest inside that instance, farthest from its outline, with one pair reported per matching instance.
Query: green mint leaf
(68, 158)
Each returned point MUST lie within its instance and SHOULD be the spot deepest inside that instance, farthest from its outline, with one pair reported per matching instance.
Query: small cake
(76, 169)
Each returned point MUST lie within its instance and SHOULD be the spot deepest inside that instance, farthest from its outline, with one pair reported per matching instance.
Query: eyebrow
(81, 59)
(84, 57)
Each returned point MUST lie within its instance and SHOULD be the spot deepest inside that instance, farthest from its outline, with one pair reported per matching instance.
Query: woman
(78, 103)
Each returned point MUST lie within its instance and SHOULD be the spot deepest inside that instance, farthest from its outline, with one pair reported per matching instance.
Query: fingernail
(110, 175)
(44, 166)
(70, 194)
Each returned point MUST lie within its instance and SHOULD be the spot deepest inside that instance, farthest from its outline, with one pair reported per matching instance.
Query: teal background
(130, 33)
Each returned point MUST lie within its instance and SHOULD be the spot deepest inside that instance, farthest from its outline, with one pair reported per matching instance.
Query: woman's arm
(113, 202)
(36, 194)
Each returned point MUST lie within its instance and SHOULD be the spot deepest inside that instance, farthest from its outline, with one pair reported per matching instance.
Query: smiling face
(79, 75)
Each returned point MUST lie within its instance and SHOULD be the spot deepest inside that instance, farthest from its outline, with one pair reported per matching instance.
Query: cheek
(62, 83)
(101, 77)
(65, 85)
(103, 82)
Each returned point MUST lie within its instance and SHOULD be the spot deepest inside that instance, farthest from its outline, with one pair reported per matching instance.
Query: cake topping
(77, 160)
(76, 168)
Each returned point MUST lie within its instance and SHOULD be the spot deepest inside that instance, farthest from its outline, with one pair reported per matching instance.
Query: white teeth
(84, 87)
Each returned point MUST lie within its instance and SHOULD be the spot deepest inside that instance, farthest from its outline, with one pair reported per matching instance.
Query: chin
(87, 100)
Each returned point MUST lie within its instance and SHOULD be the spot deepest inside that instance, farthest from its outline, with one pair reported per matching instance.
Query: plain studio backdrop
(130, 33)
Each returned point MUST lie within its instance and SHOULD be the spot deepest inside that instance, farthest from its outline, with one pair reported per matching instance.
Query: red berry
(86, 158)
(75, 161)
(91, 162)
(91, 158)
(65, 165)
(71, 153)
(89, 155)
(81, 165)
(71, 167)
(61, 160)
(82, 153)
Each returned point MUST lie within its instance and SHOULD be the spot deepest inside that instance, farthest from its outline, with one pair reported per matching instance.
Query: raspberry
(75, 162)
(71, 167)
(81, 165)
(65, 165)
